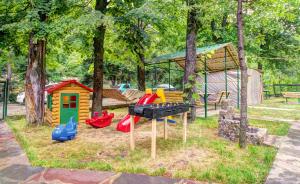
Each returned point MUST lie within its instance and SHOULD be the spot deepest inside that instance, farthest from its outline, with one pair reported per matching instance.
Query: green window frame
(49, 102)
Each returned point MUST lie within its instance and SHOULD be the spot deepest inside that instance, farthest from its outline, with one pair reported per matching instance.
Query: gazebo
(222, 57)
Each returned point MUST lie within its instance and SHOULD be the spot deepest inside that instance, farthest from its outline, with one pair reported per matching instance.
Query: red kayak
(102, 121)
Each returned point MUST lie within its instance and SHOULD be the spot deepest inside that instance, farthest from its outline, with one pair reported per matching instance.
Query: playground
(149, 92)
(205, 156)
(147, 132)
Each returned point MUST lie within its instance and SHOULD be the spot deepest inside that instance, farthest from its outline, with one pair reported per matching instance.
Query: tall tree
(191, 55)
(35, 74)
(101, 5)
(136, 20)
(30, 24)
(35, 81)
(244, 76)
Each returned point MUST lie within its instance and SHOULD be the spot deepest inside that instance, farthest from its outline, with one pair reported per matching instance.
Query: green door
(68, 107)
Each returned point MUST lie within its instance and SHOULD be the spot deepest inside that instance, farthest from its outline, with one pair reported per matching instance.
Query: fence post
(3, 100)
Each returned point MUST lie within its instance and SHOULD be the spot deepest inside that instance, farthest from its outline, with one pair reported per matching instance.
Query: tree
(30, 24)
(271, 30)
(98, 44)
(244, 76)
(35, 74)
(137, 22)
(191, 55)
(272, 33)
(35, 80)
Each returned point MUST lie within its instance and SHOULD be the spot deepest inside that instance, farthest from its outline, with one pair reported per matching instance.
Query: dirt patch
(109, 145)
(185, 159)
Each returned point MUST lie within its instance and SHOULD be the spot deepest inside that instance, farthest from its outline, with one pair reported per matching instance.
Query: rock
(229, 126)
(225, 103)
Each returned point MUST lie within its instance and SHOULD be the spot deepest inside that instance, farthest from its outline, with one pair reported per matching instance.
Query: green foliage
(151, 27)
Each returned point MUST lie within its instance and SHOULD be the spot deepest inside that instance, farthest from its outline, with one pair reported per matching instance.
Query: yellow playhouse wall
(84, 103)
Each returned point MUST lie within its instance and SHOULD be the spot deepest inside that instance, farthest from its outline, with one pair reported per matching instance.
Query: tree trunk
(259, 66)
(224, 20)
(213, 27)
(35, 81)
(113, 80)
(8, 66)
(101, 5)
(141, 73)
(244, 76)
(9, 72)
(191, 55)
(141, 77)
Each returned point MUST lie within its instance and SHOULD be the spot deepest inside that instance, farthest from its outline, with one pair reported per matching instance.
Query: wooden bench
(174, 96)
(177, 96)
(218, 99)
(287, 95)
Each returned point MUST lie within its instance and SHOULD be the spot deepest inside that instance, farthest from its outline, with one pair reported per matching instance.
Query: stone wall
(229, 126)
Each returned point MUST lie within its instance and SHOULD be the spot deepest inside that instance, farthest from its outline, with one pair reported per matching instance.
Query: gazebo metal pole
(155, 76)
(6, 98)
(3, 104)
(238, 88)
(205, 88)
(225, 63)
(169, 75)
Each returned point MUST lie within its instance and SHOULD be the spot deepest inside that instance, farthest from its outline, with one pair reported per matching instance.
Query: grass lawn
(280, 109)
(205, 157)
(274, 127)
(279, 102)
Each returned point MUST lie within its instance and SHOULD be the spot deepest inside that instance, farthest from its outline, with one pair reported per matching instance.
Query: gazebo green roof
(215, 63)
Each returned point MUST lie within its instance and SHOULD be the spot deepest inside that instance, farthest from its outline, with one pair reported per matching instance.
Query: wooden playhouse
(66, 99)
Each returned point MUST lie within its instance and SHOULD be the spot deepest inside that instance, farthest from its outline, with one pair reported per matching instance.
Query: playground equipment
(124, 124)
(65, 132)
(128, 96)
(100, 122)
(149, 98)
(165, 97)
(123, 87)
(153, 112)
(67, 99)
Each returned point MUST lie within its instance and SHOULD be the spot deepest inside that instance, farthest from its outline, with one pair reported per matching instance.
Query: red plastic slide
(124, 124)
